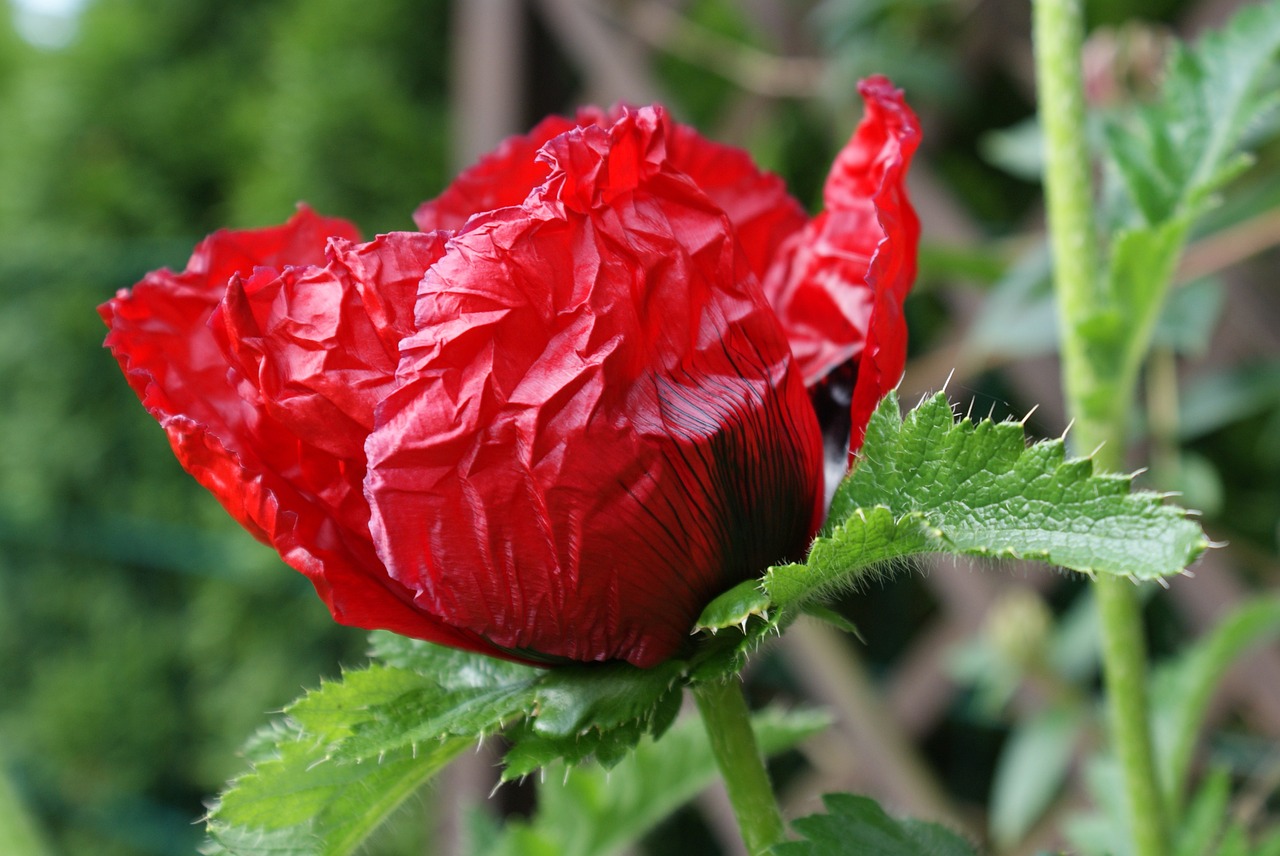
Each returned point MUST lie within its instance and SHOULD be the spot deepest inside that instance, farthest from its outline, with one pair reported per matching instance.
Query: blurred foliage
(143, 635)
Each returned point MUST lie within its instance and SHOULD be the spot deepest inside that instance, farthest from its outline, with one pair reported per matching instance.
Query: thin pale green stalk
(1094, 398)
(728, 722)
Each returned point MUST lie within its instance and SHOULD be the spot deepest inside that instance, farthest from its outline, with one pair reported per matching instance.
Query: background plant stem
(728, 723)
(1096, 401)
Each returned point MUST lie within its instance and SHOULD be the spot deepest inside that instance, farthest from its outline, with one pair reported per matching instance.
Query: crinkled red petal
(502, 178)
(598, 426)
(305, 501)
(838, 285)
(763, 213)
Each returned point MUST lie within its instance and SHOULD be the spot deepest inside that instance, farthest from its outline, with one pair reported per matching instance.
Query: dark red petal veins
(306, 503)
(597, 426)
(838, 285)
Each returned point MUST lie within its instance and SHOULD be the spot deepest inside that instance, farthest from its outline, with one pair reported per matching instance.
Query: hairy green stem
(1096, 395)
(728, 723)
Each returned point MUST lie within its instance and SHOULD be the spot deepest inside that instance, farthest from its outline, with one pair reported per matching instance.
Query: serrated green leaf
(304, 794)
(384, 709)
(594, 711)
(734, 607)
(329, 713)
(1178, 150)
(1173, 155)
(572, 699)
(299, 803)
(532, 751)
(858, 826)
(853, 549)
(927, 483)
(450, 668)
(590, 812)
(724, 653)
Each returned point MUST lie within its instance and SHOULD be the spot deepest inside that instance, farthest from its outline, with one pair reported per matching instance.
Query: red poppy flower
(564, 416)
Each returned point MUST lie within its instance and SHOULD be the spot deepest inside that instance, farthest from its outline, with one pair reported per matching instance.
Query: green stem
(728, 723)
(1096, 397)
(1124, 657)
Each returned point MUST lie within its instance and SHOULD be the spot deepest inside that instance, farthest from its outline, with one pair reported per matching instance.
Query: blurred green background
(143, 636)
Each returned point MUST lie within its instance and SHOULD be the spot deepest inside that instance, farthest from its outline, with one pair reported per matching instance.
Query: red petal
(598, 426)
(839, 285)
(319, 346)
(762, 212)
(306, 503)
(502, 178)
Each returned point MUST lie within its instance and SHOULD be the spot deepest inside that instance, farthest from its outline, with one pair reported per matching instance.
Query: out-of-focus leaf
(1104, 832)
(591, 812)
(858, 826)
(1181, 690)
(1213, 401)
(1204, 817)
(1191, 313)
(1031, 770)
(1018, 149)
(1018, 319)
(19, 835)
(1179, 150)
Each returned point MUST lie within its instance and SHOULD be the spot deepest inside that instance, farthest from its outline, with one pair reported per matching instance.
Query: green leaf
(1019, 316)
(1205, 817)
(1141, 267)
(302, 796)
(573, 699)
(1105, 831)
(1182, 690)
(1189, 316)
(1174, 153)
(857, 826)
(448, 667)
(734, 608)
(599, 711)
(531, 751)
(591, 812)
(927, 483)
(383, 709)
(1215, 400)
(298, 802)
(1031, 770)
(19, 833)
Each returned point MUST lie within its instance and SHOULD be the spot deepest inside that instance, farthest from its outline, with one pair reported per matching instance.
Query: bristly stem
(728, 722)
(1094, 398)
